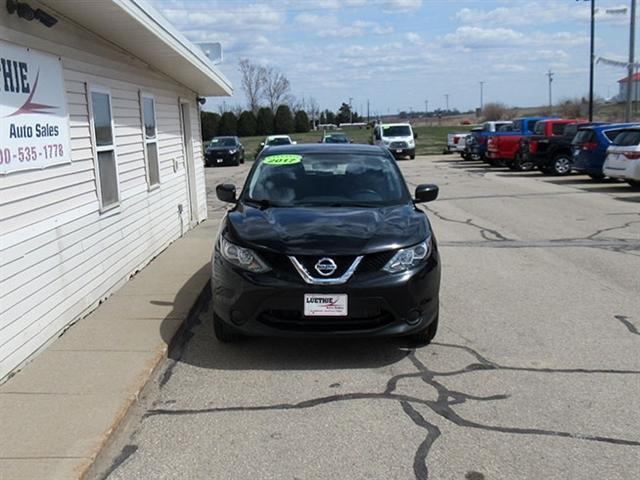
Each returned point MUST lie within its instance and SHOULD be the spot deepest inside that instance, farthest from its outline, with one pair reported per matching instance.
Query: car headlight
(232, 151)
(408, 258)
(242, 257)
(412, 142)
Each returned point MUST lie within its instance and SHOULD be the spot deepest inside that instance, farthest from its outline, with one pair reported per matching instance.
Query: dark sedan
(224, 151)
(325, 240)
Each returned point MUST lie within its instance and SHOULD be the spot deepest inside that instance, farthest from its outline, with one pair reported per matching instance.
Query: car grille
(398, 145)
(295, 321)
(372, 262)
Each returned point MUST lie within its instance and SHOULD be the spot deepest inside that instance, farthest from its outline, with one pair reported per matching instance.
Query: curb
(177, 342)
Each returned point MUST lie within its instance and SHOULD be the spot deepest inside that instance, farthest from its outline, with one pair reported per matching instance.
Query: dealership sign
(34, 123)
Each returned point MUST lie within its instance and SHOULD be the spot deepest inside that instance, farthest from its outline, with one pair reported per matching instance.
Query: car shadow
(195, 344)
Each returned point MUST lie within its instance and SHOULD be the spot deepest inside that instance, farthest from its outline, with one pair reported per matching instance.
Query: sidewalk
(57, 413)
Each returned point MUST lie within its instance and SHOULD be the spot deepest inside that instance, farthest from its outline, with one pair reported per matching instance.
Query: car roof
(227, 136)
(271, 137)
(337, 148)
(331, 134)
(606, 126)
(395, 124)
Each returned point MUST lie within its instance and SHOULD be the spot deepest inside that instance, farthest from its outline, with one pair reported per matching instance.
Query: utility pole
(632, 48)
(367, 110)
(550, 74)
(592, 57)
(426, 107)
(447, 97)
(482, 95)
(350, 111)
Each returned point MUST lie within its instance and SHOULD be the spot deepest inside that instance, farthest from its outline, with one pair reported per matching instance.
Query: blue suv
(589, 147)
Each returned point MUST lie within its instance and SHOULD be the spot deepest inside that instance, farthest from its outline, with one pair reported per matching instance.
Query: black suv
(224, 151)
(325, 240)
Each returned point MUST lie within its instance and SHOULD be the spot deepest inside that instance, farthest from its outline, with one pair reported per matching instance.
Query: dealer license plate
(318, 305)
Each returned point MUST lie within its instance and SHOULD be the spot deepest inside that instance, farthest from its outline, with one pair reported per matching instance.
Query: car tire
(424, 337)
(561, 165)
(596, 176)
(223, 332)
(523, 166)
(633, 183)
(412, 156)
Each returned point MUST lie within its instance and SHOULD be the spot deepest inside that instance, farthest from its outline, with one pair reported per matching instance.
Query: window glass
(108, 177)
(628, 138)
(532, 125)
(154, 168)
(557, 129)
(102, 118)
(584, 136)
(396, 131)
(321, 180)
(612, 134)
(539, 130)
(149, 117)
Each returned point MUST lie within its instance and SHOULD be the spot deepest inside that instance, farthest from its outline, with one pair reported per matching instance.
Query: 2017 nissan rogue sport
(325, 240)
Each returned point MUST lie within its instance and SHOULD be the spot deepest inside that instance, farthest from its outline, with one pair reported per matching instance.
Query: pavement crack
(627, 323)
(487, 233)
(442, 406)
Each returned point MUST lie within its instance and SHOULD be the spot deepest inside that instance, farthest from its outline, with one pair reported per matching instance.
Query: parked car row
(558, 146)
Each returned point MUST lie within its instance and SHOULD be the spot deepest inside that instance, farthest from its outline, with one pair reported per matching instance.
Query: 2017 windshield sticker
(283, 159)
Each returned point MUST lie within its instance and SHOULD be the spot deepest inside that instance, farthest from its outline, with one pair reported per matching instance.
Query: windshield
(584, 136)
(628, 138)
(336, 139)
(223, 142)
(279, 141)
(326, 180)
(396, 131)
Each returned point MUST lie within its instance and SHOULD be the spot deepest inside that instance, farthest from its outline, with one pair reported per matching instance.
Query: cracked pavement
(535, 372)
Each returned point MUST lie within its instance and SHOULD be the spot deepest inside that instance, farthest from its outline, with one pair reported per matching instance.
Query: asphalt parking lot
(535, 372)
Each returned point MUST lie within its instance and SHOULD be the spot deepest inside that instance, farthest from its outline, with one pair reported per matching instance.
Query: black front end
(374, 302)
(222, 156)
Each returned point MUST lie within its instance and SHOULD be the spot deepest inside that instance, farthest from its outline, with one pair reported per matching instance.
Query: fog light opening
(414, 317)
(237, 317)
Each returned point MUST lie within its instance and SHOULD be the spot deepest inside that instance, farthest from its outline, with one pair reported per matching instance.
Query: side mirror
(426, 193)
(293, 142)
(351, 140)
(415, 135)
(226, 192)
(262, 144)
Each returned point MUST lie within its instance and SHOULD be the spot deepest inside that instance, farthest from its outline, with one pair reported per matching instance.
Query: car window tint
(612, 134)
(627, 138)
(539, 129)
(558, 128)
(321, 180)
(584, 136)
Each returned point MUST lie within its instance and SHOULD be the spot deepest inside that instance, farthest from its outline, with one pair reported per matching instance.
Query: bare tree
(253, 81)
(237, 109)
(276, 88)
(494, 111)
(313, 110)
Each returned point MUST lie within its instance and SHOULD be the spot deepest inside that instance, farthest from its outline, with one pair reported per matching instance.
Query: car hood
(220, 149)
(331, 231)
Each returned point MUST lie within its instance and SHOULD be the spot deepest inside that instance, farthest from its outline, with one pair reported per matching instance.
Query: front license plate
(399, 151)
(317, 305)
(219, 160)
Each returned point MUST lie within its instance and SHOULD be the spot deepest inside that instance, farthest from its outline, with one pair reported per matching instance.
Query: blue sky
(399, 53)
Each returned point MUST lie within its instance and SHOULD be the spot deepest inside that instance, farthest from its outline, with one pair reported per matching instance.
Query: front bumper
(587, 164)
(213, 158)
(379, 304)
(402, 152)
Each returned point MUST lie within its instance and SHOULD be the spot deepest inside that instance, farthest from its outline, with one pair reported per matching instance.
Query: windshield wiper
(263, 203)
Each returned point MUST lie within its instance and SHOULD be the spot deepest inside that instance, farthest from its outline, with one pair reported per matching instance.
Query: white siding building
(624, 84)
(110, 172)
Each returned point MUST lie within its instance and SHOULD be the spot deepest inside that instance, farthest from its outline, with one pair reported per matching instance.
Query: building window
(150, 139)
(106, 163)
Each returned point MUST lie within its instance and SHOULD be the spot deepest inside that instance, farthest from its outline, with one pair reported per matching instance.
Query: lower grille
(398, 145)
(295, 321)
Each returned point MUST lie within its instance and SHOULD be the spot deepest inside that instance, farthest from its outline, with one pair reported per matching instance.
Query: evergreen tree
(209, 123)
(283, 121)
(301, 121)
(247, 124)
(228, 124)
(264, 122)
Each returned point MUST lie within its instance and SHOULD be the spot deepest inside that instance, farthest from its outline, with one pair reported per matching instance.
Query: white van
(397, 137)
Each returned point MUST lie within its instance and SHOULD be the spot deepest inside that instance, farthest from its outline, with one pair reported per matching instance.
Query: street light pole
(447, 97)
(632, 47)
(550, 74)
(482, 95)
(592, 58)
